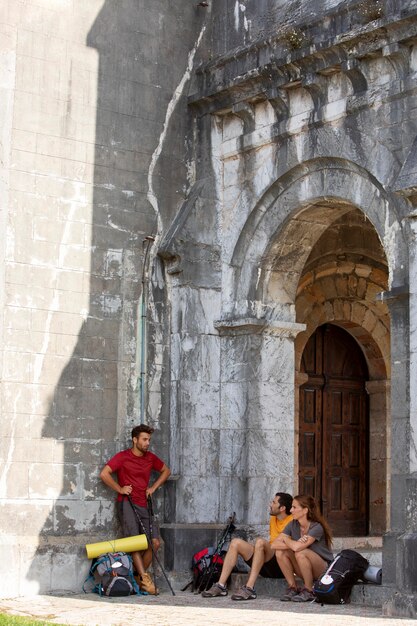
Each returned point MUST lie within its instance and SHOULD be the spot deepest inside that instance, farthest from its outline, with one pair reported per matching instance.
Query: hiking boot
(215, 591)
(304, 596)
(244, 593)
(290, 594)
(146, 584)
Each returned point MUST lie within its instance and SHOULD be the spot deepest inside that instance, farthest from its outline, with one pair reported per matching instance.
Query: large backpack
(335, 585)
(206, 566)
(112, 575)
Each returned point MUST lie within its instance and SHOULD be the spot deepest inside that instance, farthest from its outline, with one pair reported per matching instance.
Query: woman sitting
(303, 549)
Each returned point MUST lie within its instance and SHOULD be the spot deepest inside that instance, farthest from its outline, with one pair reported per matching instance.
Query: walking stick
(150, 511)
(142, 527)
(207, 576)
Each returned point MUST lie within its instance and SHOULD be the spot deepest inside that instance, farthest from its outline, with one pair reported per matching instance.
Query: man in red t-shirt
(133, 468)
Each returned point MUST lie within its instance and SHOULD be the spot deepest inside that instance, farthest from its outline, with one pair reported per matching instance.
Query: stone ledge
(256, 326)
(401, 605)
(364, 594)
(243, 73)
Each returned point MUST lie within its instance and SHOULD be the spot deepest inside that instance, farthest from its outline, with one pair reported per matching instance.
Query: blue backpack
(112, 575)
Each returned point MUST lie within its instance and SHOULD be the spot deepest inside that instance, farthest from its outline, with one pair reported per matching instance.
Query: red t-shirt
(136, 471)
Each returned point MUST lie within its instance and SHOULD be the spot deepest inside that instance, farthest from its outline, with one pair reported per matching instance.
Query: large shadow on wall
(143, 52)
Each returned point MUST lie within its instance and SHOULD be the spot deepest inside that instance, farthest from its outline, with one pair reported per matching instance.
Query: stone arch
(340, 285)
(285, 224)
(344, 300)
(268, 280)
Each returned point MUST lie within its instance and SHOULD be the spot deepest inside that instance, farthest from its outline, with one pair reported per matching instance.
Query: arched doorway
(333, 438)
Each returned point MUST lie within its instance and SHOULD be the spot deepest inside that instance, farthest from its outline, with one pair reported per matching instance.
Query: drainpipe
(147, 242)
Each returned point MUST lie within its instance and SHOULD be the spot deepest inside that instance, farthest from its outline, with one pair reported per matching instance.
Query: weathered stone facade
(92, 110)
(274, 162)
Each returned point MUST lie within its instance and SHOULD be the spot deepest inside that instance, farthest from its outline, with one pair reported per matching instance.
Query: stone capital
(255, 326)
(377, 386)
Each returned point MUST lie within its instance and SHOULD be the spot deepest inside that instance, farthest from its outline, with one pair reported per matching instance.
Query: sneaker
(215, 591)
(304, 596)
(244, 593)
(290, 594)
(146, 584)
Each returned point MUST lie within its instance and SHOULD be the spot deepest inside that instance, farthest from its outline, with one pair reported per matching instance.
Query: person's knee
(260, 544)
(282, 555)
(156, 544)
(301, 557)
(235, 545)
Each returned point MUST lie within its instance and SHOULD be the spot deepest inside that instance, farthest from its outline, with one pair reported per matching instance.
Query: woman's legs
(310, 566)
(289, 566)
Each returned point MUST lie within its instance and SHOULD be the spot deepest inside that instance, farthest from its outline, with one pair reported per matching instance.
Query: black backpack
(335, 585)
(112, 574)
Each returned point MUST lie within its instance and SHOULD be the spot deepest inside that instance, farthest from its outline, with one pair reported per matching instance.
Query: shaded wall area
(126, 114)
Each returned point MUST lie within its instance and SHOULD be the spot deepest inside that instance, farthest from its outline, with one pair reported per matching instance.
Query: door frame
(379, 394)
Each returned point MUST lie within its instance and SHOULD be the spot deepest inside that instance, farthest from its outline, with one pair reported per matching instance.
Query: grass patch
(15, 620)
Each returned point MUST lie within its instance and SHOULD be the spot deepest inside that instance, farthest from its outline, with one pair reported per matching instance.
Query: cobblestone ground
(186, 608)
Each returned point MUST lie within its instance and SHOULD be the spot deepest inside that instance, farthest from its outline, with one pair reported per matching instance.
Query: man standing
(133, 468)
(260, 557)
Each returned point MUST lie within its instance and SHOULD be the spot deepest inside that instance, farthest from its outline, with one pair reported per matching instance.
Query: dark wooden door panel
(310, 437)
(334, 429)
(344, 453)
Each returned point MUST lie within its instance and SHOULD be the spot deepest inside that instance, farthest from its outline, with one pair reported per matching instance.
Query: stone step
(364, 594)
(368, 594)
(369, 547)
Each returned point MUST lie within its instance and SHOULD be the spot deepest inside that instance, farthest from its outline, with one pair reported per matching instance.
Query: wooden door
(333, 438)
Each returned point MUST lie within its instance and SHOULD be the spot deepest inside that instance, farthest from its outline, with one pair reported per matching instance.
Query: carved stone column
(379, 456)
(257, 414)
(300, 379)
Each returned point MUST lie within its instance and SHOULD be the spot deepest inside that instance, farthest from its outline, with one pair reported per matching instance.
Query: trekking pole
(142, 527)
(150, 511)
(227, 531)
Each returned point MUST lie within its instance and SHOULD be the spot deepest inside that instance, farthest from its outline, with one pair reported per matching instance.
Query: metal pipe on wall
(142, 319)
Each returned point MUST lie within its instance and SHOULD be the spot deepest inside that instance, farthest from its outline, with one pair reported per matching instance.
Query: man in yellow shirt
(260, 556)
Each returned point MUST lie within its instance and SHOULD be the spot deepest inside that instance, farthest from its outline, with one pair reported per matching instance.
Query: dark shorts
(270, 569)
(130, 524)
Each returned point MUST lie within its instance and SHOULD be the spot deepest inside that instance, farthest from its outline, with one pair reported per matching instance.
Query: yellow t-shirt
(276, 526)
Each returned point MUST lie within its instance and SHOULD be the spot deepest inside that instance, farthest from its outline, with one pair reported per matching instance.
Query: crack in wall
(153, 200)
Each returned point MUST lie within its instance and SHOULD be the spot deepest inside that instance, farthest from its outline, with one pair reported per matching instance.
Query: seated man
(260, 557)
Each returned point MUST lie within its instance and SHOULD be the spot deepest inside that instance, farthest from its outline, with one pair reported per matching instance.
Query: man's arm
(284, 542)
(301, 544)
(107, 478)
(278, 543)
(163, 476)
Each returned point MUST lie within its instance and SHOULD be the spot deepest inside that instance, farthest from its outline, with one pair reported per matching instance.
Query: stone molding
(170, 248)
(255, 326)
(377, 386)
(406, 182)
(395, 294)
(267, 67)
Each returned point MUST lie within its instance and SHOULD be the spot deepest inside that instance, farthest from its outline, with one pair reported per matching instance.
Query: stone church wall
(236, 134)
(307, 124)
(93, 160)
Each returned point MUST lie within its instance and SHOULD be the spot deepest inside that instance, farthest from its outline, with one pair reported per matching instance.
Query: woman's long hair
(314, 515)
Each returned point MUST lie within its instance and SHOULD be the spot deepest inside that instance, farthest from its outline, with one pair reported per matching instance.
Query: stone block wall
(93, 159)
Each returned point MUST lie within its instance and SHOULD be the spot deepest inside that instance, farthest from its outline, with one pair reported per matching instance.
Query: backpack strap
(136, 586)
(96, 587)
(132, 579)
(89, 577)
